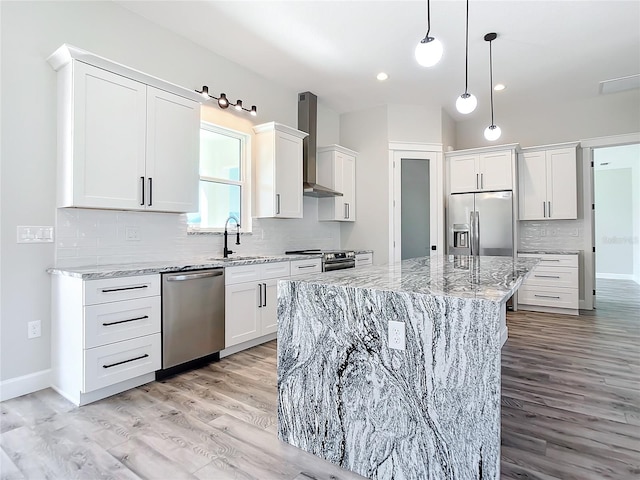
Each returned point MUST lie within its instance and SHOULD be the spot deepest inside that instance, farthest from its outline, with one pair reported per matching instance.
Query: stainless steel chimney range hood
(308, 122)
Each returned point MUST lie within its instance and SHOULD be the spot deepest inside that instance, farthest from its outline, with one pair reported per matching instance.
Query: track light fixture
(429, 50)
(492, 132)
(223, 101)
(467, 102)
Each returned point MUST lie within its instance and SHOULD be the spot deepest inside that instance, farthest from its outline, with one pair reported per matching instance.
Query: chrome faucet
(226, 251)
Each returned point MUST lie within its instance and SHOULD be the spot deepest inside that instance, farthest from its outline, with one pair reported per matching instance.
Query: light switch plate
(28, 234)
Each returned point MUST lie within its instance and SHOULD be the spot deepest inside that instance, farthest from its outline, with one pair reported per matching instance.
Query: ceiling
(546, 51)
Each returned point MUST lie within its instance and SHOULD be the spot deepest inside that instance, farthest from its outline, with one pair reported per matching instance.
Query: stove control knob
(330, 256)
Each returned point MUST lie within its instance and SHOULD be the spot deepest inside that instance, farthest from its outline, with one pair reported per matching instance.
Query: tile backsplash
(98, 237)
(551, 235)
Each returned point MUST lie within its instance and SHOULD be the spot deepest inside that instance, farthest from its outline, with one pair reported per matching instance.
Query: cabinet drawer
(363, 259)
(568, 260)
(109, 364)
(300, 267)
(548, 296)
(275, 270)
(116, 321)
(121, 288)
(242, 274)
(553, 277)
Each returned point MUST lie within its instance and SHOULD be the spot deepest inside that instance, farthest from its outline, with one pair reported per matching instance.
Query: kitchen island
(430, 411)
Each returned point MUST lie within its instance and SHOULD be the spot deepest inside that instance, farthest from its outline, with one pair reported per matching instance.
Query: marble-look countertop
(427, 411)
(489, 278)
(549, 252)
(92, 272)
(360, 252)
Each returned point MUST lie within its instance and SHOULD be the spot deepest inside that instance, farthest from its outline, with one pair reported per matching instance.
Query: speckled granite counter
(92, 272)
(431, 411)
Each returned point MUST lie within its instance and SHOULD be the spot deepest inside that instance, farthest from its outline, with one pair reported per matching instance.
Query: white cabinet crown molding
(415, 146)
(66, 53)
(492, 148)
(553, 146)
(337, 148)
(270, 126)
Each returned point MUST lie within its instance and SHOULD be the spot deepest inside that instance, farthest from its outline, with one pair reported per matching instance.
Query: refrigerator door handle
(472, 240)
(477, 234)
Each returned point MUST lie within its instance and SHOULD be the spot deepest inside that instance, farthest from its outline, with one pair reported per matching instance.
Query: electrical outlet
(34, 329)
(396, 335)
(132, 234)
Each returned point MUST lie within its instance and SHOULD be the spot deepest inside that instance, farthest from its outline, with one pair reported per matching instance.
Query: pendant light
(492, 132)
(467, 102)
(429, 49)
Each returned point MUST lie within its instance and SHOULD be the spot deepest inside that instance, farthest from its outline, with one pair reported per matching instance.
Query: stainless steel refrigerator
(480, 224)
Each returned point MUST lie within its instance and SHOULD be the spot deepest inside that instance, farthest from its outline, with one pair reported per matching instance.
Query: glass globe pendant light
(467, 102)
(429, 50)
(492, 132)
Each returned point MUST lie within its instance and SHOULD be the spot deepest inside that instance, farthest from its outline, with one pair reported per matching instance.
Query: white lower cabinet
(251, 301)
(364, 259)
(105, 335)
(301, 267)
(552, 286)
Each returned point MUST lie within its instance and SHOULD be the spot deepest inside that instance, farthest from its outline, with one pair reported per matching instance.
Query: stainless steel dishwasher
(192, 315)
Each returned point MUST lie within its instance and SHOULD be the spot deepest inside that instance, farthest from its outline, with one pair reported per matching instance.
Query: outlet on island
(396, 335)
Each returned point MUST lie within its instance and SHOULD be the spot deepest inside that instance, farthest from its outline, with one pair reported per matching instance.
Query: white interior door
(432, 154)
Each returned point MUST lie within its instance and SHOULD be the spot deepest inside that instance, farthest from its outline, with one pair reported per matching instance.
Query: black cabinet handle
(126, 361)
(110, 290)
(142, 184)
(150, 191)
(260, 293)
(264, 304)
(108, 324)
(546, 296)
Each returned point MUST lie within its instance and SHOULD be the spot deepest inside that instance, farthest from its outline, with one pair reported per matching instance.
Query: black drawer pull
(126, 361)
(547, 296)
(109, 290)
(306, 266)
(546, 276)
(108, 324)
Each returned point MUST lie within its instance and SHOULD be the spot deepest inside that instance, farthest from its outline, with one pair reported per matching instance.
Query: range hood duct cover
(308, 122)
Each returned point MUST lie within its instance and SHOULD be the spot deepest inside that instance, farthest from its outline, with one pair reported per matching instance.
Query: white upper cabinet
(123, 144)
(337, 170)
(278, 171)
(481, 171)
(548, 183)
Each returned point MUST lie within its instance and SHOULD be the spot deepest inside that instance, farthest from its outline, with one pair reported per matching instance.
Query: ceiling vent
(619, 84)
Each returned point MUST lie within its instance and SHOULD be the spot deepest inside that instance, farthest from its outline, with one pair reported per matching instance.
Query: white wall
(414, 123)
(449, 129)
(30, 32)
(617, 229)
(366, 133)
(531, 125)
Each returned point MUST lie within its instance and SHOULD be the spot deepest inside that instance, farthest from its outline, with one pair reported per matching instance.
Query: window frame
(244, 182)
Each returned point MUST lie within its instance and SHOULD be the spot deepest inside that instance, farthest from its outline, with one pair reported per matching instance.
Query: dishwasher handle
(194, 276)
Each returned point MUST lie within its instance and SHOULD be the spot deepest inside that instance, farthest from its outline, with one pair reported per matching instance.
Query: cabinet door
(288, 174)
(562, 192)
(242, 315)
(495, 171)
(463, 174)
(348, 187)
(269, 309)
(109, 117)
(173, 147)
(533, 185)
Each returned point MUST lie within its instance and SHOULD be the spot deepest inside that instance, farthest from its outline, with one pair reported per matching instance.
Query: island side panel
(431, 411)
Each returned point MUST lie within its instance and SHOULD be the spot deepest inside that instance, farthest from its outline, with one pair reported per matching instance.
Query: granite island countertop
(93, 272)
(489, 278)
(429, 410)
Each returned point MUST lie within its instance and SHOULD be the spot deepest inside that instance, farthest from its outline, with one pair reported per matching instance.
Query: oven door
(340, 264)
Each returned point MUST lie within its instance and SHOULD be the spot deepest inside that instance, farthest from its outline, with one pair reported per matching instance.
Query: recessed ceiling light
(382, 76)
(499, 86)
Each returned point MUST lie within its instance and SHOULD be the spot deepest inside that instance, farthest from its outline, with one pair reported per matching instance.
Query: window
(224, 172)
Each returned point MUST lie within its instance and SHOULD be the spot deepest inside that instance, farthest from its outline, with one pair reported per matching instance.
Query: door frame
(588, 198)
(416, 151)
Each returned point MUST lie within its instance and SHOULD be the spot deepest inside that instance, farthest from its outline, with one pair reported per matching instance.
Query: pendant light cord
(491, 77)
(466, 54)
(426, 37)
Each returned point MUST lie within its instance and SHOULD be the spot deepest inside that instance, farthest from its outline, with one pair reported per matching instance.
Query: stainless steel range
(331, 259)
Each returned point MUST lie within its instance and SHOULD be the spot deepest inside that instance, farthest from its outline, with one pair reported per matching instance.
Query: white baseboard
(16, 387)
(504, 334)
(616, 276)
(251, 343)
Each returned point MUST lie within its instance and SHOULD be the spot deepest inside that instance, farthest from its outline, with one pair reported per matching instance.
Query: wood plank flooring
(570, 410)
(571, 390)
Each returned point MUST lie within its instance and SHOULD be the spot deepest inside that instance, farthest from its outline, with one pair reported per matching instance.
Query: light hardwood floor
(571, 410)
